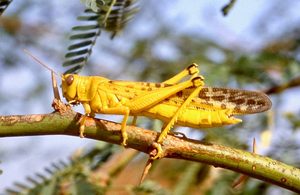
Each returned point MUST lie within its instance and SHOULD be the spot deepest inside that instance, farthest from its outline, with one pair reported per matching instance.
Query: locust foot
(81, 131)
(157, 147)
(82, 127)
(124, 142)
(124, 136)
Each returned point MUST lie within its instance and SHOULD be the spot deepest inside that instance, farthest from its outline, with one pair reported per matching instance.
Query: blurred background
(254, 47)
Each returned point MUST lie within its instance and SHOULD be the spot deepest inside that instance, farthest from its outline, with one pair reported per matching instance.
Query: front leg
(116, 110)
(87, 110)
(119, 111)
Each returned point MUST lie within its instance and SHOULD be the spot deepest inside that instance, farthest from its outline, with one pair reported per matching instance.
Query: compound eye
(70, 80)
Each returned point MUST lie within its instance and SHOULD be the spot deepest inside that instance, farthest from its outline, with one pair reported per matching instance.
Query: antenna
(44, 65)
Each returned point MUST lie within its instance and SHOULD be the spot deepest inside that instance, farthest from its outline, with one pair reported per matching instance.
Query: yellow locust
(187, 104)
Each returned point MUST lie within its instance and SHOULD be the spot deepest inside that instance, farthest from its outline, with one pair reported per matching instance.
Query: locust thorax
(69, 86)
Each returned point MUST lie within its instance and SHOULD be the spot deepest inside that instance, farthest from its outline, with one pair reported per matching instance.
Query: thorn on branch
(146, 170)
(243, 177)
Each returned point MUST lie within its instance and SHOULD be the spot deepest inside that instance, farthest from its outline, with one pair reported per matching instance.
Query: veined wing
(216, 98)
(209, 98)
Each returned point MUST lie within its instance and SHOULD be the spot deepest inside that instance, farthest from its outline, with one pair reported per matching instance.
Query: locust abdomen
(194, 118)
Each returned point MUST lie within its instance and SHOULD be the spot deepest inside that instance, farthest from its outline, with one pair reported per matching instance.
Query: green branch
(66, 123)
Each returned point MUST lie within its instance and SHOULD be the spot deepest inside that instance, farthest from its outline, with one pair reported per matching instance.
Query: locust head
(69, 87)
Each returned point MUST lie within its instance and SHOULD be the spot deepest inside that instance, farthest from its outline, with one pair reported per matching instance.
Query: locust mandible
(187, 104)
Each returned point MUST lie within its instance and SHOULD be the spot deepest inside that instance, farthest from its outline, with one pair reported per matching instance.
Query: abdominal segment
(194, 118)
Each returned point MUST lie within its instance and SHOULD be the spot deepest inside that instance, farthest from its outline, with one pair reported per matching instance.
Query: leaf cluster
(110, 15)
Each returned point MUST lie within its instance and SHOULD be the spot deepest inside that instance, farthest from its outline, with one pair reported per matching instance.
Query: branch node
(59, 106)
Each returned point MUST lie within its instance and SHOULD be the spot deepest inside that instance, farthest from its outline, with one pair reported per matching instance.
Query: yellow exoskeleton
(186, 104)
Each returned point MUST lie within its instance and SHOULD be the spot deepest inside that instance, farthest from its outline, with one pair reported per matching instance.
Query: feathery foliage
(110, 15)
(84, 175)
(69, 177)
(3, 5)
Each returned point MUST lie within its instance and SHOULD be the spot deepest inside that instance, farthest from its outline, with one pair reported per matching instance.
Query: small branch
(66, 123)
(225, 10)
(112, 167)
(279, 88)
